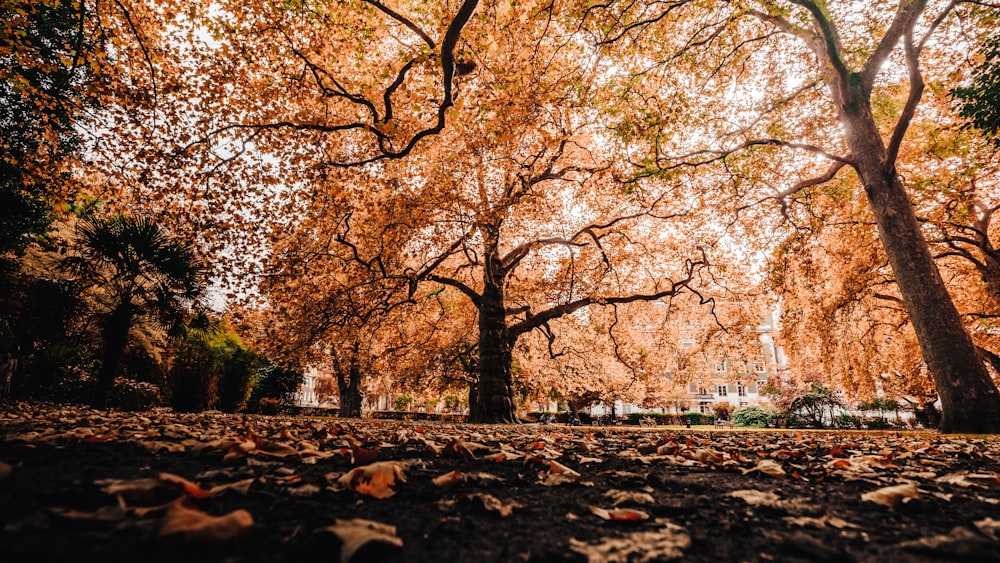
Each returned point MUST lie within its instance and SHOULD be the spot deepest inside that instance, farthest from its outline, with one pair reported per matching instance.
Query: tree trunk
(969, 398)
(495, 398)
(114, 335)
(349, 385)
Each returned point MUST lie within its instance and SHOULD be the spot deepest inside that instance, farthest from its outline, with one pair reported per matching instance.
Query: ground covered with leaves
(160, 486)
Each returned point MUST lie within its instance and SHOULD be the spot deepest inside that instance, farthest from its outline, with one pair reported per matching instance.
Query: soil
(93, 485)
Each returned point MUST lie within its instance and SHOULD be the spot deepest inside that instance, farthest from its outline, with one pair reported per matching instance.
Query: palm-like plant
(138, 272)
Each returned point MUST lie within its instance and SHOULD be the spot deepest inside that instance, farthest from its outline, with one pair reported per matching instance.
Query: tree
(846, 131)
(137, 271)
(514, 208)
(44, 81)
(979, 102)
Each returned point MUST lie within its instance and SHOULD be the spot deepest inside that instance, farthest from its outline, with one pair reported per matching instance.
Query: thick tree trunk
(114, 335)
(495, 398)
(349, 385)
(970, 401)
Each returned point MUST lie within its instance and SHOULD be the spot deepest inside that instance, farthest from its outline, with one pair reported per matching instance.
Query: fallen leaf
(892, 496)
(242, 487)
(767, 466)
(669, 542)
(558, 474)
(619, 514)
(103, 514)
(635, 497)
(821, 522)
(490, 503)
(199, 527)
(5, 470)
(448, 479)
(358, 533)
(191, 489)
(754, 497)
(989, 527)
(374, 480)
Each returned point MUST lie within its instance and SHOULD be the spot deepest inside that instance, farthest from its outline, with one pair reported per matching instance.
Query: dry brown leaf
(490, 503)
(193, 490)
(274, 449)
(558, 474)
(667, 543)
(5, 470)
(989, 527)
(619, 514)
(103, 514)
(822, 522)
(768, 466)
(635, 497)
(199, 527)
(450, 478)
(893, 496)
(374, 480)
(242, 487)
(357, 533)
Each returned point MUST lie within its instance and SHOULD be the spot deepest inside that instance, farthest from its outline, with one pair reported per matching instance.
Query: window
(722, 390)
(758, 366)
(721, 366)
(703, 391)
(705, 406)
(741, 390)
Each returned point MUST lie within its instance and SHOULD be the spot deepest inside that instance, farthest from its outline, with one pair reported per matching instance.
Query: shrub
(236, 378)
(753, 416)
(697, 418)
(131, 395)
(268, 405)
(272, 382)
(192, 377)
(659, 418)
(847, 422)
(878, 423)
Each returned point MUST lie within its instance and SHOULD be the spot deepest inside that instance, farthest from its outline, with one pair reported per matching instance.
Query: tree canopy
(538, 195)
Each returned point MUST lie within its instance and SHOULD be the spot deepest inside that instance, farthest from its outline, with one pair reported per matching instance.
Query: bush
(878, 423)
(846, 421)
(192, 377)
(272, 382)
(267, 405)
(753, 417)
(131, 395)
(236, 379)
(659, 418)
(697, 418)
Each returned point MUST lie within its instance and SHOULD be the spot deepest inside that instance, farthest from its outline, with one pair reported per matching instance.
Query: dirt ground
(85, 485)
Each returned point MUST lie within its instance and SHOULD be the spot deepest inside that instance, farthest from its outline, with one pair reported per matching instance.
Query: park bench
(723, 423)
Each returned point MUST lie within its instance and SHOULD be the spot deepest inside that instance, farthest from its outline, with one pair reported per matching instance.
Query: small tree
(275, 383)
(137, 271)
(722, 410)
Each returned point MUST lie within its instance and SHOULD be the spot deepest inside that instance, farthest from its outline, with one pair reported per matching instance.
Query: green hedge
(754, 417)
(406, 415)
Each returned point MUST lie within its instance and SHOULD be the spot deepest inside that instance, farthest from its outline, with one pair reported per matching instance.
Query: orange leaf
(199, 527)
(619, 514)
(375, 480)
(189, 488)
